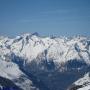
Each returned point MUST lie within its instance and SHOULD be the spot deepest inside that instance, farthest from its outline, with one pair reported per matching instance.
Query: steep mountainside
(82, 84)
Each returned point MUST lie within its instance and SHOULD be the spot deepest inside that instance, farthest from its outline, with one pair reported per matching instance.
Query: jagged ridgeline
(32, 62)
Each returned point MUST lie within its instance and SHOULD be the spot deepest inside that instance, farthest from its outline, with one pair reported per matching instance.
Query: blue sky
(47, 17)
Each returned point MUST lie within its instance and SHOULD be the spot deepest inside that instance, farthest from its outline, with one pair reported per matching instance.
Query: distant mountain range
(32, 62)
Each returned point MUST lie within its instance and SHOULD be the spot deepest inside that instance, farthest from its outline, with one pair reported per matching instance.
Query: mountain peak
(35, 33)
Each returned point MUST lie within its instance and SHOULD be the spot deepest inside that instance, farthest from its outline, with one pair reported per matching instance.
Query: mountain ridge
(47, 57)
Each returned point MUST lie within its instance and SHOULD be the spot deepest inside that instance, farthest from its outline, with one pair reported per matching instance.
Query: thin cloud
(57, 11)
(43, 13)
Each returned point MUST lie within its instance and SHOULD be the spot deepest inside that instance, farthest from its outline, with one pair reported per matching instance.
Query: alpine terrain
(34, 62)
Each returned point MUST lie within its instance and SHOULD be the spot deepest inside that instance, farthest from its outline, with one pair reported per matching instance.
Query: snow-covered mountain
(82, 84)
(33, 62)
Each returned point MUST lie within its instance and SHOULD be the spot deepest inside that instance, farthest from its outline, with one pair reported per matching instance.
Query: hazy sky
(59, 17)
